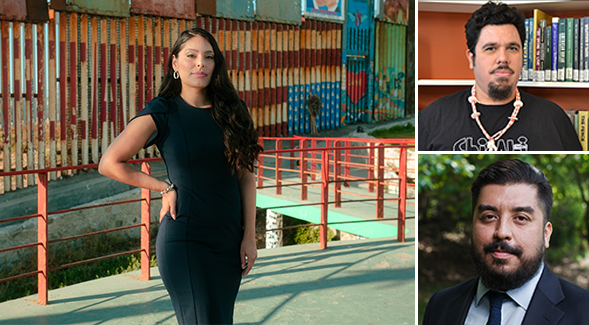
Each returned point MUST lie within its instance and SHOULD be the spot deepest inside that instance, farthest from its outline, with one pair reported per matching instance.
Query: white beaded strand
(476, 116)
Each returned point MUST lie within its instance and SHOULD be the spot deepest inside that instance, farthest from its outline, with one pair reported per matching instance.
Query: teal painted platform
(312, 214)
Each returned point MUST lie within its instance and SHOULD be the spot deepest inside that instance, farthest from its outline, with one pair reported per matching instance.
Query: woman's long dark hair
(239, 135)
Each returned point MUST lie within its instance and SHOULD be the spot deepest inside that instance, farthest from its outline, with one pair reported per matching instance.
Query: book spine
(583, 115)
(542, 50)
(585, 48)
(562, 32)
(555, 49)
(570, 37)
(535, 74)
(548, 53)
(524, 75)
(576, 38)
(572, 113)
(531, 50)
(580, 50)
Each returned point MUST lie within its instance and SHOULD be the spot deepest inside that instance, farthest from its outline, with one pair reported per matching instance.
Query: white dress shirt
(512, 311)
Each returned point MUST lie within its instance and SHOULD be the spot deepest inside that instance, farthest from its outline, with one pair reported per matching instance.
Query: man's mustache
(503, 246)
(502, 67)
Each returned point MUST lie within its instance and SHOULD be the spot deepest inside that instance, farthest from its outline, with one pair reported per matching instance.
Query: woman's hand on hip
(169, 204)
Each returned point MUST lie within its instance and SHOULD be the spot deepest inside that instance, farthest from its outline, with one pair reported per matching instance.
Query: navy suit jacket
(555, 302)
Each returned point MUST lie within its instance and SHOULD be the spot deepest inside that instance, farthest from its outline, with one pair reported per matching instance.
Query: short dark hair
(514, 171)
(493, 13)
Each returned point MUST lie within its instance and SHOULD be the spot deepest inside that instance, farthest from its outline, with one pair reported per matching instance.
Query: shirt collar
(521, 296)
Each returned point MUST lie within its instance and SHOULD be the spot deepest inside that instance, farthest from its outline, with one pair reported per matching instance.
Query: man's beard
(503, 281)
(500, 92)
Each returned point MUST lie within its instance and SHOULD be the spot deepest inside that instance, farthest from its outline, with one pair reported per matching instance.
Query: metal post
(301, 156)
(380, 183)
(347, 160)
(292, 162)
(324, 198)
(371, 168)
(278, 167)
(313, 160)
(42, 238)
(402, 194)
(303, 172)
(260, 169)
(145, 226)
(337, 175)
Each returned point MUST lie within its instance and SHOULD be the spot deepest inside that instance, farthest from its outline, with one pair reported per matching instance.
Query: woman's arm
(114, 164)
(247, 190)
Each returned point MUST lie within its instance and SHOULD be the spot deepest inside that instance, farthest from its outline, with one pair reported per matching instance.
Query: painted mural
(390, 71)
(316, 69)
(332, 9)
(358, 58)
(394, 11)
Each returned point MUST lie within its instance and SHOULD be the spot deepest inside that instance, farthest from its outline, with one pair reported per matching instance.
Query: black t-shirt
(542, 125)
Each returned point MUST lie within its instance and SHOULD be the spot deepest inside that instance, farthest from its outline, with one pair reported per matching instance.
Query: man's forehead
(512, 193)
(496, 33)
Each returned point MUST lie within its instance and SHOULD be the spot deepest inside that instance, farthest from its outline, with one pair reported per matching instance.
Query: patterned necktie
(496, 299)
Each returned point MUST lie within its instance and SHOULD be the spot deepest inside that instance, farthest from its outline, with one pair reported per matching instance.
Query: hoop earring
(176, 75)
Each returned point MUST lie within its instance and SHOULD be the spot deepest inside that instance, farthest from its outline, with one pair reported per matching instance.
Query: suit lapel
(542, 309)
(461, 303)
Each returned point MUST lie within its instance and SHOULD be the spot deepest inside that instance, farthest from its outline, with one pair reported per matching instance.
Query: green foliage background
(445, 217)
(444, 196)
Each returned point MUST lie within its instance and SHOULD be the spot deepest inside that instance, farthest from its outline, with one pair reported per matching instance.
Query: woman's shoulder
(160, 105)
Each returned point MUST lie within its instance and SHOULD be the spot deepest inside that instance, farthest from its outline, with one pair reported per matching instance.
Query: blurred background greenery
(445, 217)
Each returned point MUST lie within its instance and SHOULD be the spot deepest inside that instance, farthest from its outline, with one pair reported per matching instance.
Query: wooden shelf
(470, 82)
(469, 6)
(443, 68)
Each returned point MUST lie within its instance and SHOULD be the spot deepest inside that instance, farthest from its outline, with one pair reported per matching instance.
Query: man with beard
(494, 114)
(510, 232)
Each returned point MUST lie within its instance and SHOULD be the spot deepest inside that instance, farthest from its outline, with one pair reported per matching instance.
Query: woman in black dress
(205, 242)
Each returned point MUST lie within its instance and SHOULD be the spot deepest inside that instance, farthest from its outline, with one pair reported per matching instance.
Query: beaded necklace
(476, 114)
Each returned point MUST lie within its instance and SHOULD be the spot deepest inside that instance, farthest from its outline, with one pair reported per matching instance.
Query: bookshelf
(443, 67)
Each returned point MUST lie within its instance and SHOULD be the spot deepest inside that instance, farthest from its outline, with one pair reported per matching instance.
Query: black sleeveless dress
(198, 253)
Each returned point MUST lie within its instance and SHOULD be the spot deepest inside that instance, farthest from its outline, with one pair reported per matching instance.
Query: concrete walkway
(368, 281)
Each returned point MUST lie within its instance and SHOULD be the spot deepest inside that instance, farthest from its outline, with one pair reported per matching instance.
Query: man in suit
(511, 203)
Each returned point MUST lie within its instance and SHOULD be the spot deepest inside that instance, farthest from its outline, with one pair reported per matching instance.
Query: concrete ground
(368, 281)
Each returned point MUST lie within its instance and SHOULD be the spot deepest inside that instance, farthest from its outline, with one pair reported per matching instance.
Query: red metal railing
(43, 214)
(331, 165)
(325, 173)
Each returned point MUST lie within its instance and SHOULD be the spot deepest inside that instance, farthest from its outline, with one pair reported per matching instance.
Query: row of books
(556, 49)
(580, 120)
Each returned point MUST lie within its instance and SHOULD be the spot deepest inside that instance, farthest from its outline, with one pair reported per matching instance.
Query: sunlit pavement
(369, 281)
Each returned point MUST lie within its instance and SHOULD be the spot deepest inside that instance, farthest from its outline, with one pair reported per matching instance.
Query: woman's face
(195, 63)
